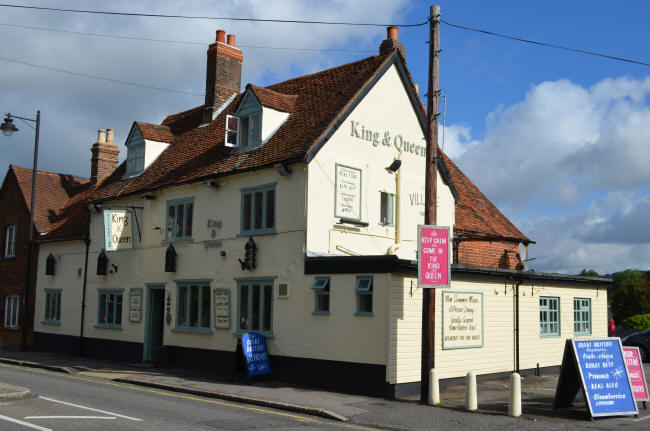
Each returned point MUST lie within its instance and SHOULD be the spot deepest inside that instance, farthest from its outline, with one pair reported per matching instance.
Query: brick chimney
(391, 42)
(223, 74)
(104, 156)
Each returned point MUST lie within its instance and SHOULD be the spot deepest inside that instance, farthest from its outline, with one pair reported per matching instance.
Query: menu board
(348, 192)
(462, 320)
(135, 305)
(636, 372)
(434, 266)
(257, 359)
(222, 308)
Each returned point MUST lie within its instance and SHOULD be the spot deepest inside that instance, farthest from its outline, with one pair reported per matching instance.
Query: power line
(214, 18)
(103, 78)
(550, 45)
(113, 36)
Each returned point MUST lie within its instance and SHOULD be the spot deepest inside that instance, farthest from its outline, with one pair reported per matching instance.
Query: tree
(630, 294)
(589, 273)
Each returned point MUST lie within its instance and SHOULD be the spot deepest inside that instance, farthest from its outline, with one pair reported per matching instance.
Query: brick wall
(13, 270)
(491, 254)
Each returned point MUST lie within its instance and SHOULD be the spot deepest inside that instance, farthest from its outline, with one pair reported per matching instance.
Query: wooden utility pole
(430, 197)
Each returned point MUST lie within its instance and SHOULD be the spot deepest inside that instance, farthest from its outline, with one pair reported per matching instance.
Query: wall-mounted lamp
(282, 169)
(94, 207)
(397, 163)
(49, 265)
(114, 270)
(148, 197)
(170, 259)
(156, 228)
(212, 184)
(102, 263)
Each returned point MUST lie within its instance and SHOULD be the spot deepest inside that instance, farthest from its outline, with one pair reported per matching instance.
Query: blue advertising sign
(605, 380)
(257, 360)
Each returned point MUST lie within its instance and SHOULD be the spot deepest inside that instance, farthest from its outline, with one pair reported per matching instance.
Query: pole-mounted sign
(434, 266)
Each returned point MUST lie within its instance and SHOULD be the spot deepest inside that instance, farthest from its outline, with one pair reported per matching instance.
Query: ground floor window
(363, 288)
(12, 307)
(549, 316)
(582, 316)
(52, 305)
(110, 309)
(255, 309)
(193, 306)
(321, 288)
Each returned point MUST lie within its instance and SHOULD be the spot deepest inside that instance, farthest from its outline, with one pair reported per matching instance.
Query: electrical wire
(103, 78)
(550, 45)
(113, 36)
(214, 18)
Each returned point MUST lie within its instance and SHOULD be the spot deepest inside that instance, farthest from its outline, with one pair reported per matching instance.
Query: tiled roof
(155, 132)
(475, 214)
(273, 99)
(52, 192)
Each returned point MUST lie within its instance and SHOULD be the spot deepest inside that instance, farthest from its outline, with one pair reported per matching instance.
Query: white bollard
(470, 395)
(514, 408)
(434, 388)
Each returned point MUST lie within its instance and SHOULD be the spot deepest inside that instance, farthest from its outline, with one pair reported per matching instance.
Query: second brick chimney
(391, 42)
(104, 156)
(223, 74)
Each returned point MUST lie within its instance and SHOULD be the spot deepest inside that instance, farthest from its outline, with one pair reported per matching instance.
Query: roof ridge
(39, 171)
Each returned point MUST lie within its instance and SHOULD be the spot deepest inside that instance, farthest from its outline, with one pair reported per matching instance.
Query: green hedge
(638, 322)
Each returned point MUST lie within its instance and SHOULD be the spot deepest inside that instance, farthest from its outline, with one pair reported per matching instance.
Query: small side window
(363, 288)
(321, 288)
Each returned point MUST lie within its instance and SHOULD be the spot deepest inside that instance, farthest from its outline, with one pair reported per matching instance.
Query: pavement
(538, 392)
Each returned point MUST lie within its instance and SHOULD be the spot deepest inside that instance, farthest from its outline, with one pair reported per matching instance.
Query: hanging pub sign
(434, 266)
(118, 230)
(348, 192)
(597, 366)
(636, 372)
(257, 360)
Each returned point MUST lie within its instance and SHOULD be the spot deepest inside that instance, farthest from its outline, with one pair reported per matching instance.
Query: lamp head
(8, 127)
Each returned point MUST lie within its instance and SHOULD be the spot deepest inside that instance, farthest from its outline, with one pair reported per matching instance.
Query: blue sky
(557, 140)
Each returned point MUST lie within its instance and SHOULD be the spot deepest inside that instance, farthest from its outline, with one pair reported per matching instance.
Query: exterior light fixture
(102, 263)
(8, 127)
(148, 197)
(170, 259)
(49, 265)
(212, 184)
(397, 163)
(250, 255)
(282, 169)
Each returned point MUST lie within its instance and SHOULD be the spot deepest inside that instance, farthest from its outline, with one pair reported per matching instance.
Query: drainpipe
(517, 284)
(398, 204)
(83, 299)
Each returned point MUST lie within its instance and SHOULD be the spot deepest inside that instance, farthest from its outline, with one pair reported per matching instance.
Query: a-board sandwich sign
(257, 359)
(434, 266)
(636, 372)
(597, 366)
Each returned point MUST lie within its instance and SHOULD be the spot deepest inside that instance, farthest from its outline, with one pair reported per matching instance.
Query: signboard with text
(118, 230)
(257, 359)
(135, 305)
(348, 192)
(462, 320)
(434, 266)
(222, 308)
(636, 372)
(596, 365)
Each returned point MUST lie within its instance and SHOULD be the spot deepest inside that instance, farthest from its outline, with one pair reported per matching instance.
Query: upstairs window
(387, 203)
(135, 158)
(179, 219)
(10, 241)
(258, 210)
(244, 131)
(12, 306)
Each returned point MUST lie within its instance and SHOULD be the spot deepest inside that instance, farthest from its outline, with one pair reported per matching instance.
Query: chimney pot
(109, 136)
(221, 36)
(101, 136)
(231, 39)
(391, 32)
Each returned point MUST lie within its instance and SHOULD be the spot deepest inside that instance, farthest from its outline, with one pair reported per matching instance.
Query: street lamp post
(8, 128)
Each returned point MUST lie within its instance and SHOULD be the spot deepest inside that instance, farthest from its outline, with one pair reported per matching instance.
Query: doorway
(155, 322)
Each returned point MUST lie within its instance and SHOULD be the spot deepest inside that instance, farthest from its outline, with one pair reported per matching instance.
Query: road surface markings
(69, 417)
(176, 395)
(23, 423)
(90, 408)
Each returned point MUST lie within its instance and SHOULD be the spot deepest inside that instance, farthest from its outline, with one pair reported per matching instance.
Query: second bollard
(514, 407)
(470, 396)
(434, 388)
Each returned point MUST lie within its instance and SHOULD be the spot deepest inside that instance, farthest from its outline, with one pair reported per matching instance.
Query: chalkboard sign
(596, 365)
(257, 360)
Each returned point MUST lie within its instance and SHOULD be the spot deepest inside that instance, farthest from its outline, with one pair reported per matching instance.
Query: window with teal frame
(255, 305)
(193, 306)
(258, 210)
(179, 219)
(321, 288)
(52, 306)
(582, 316)
(387, 203)
(109, 310)
(363, 288)
(549, 316)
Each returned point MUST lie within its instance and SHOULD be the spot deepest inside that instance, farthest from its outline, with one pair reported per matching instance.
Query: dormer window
(144, 144)
(135, 158)
(244, 131)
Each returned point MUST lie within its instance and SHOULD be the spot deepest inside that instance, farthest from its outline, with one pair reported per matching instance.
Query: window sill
(51, 322)
(549, 335)
(108, 326)
(256, 233)
(191, 330)
(266, 334)
(10, 328)
(177, 240)
(363, 313)
(321, 313)
(582, 334)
